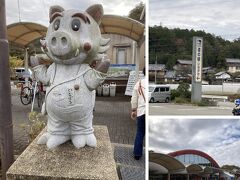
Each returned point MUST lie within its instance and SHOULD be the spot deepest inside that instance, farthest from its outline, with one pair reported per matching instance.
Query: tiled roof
(188, 62)
(156, 67)
(231, 60)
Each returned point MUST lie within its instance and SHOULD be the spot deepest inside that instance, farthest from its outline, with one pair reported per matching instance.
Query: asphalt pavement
(171, 109)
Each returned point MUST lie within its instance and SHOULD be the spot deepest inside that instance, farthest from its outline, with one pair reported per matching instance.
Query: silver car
(159, 93)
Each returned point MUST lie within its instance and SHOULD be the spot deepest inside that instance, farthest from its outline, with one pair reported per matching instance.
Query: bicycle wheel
(39, 99)
(26, 96)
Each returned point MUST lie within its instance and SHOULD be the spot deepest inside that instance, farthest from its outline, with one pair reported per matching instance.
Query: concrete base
(66, 162)
(196, 96)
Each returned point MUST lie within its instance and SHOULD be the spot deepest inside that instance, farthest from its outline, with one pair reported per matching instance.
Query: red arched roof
(195, 152)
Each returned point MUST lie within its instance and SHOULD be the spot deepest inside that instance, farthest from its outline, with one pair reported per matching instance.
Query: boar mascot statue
(72, 42)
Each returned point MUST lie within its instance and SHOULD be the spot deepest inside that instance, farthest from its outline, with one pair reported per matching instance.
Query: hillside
(168, 45)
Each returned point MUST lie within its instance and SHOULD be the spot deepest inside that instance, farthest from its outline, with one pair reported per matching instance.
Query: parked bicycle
(27, 93)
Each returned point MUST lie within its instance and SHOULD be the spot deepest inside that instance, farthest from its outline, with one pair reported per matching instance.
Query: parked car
(159, 93)
(21, 74)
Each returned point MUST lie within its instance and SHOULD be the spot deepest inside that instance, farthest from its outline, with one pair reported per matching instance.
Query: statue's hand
(35, 61)
(103, 65)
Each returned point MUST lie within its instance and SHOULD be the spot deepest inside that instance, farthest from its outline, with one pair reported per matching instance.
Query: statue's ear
(96, 11)
(54, 9)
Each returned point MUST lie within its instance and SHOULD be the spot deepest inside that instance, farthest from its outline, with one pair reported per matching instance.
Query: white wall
(225, 89)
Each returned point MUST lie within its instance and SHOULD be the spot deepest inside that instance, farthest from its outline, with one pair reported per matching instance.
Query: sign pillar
(197, 56)
(137, 55)
(26, 66)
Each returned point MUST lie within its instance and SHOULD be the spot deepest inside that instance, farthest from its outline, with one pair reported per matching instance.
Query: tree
(183, 89)
(13, 63)
(168, 45)
(136, 12)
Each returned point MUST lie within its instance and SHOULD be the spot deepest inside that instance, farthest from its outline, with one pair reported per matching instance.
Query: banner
(120, 70)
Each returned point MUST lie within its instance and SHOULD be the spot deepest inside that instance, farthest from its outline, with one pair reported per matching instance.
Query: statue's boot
(82, 140)
(56, 140)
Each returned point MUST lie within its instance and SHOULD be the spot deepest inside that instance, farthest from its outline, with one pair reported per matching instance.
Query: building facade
(185, 165)
(123, 50)
(233, 65)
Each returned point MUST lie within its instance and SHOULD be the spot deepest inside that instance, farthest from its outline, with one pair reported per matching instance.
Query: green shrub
(232, 98)
(182, 100)
(181, 92)
(207, 102)
(174, 93)
(183, 89)
(37, 124)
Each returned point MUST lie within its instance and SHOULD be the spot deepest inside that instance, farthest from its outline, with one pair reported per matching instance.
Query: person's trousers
(138, 145)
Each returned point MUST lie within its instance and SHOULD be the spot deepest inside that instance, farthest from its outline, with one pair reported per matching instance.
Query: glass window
(121, 55)
(18, 70)
(162, 89)
(156, 90)
(180, 158)
(150, 89)
(167, 88)
(193, 159)
(187, 158)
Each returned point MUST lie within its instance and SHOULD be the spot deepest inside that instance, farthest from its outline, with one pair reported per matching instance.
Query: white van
(159, 93)
(21, 74)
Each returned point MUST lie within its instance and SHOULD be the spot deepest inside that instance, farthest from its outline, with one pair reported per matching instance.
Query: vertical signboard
(197, 58)
(132, 81)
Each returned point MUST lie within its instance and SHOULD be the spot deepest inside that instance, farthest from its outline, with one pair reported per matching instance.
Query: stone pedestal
(66, 162)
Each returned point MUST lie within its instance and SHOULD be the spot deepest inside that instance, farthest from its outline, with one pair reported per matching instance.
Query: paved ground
(223, 108)
(110, 111)
(115, 113)
(20, 121)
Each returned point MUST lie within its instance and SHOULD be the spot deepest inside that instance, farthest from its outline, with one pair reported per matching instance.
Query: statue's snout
(60, 43)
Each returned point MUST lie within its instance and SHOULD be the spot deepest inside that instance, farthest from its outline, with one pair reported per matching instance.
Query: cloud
(218, 138)
(219, 17)
(37, 10)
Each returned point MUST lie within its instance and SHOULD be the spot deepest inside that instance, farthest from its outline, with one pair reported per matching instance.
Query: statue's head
(74, 36)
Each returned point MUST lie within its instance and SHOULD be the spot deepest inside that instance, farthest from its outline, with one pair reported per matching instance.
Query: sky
(219, 17)
(37, 10)
(217, 137)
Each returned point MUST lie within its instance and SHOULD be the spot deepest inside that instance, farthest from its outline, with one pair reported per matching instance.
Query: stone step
(128, 168)
(66, 162)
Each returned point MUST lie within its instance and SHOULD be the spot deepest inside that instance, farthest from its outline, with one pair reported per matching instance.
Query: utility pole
(6, 127)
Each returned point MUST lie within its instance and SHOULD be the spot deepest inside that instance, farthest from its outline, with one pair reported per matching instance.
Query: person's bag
(140, 91)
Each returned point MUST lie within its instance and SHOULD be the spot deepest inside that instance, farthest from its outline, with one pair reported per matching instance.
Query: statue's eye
(76, 24)
(56, 24)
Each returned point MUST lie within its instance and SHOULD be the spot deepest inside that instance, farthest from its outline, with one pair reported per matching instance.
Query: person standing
(138, 101)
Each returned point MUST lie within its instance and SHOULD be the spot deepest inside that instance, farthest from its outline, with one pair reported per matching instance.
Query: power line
(19, 15)
(44, 7)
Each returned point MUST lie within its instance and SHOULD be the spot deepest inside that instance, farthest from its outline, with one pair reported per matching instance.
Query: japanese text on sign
(198, 75)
